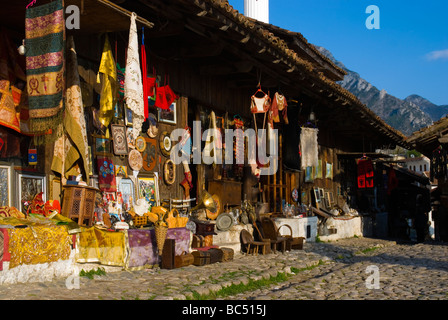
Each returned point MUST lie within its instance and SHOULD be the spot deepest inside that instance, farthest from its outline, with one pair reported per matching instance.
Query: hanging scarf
(133, 87)
(45, 44)
(309, 147)
(144, 77)
(107, 76)
(74, 140)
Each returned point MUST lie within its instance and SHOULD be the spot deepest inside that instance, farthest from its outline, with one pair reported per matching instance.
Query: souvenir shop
(93, 118)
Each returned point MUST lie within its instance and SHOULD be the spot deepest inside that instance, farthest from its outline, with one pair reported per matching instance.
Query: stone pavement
(332, 270)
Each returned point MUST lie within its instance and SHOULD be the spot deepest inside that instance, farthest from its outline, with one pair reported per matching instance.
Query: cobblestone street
(321, 271)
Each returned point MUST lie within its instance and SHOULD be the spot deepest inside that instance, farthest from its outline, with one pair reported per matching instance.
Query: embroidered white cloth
(309, 147)
(133, 85)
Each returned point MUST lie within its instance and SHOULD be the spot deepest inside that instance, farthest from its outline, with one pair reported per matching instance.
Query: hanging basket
(160, 231)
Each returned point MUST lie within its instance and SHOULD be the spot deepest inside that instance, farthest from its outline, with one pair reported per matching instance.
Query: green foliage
(91, 273)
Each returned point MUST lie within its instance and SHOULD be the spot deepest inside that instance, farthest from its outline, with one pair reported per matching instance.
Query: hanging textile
(144, 77)
(211, 145)
(438, 165)
(133, 87)
(107, 76)
(45, 45)
(279, 103)
(392, 181)
(365, 173)
(106, 175)
(239, 149)
(73, 145)
(12, 83)
(309, 147)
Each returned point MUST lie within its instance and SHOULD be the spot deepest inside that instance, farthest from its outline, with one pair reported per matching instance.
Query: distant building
(417, 164)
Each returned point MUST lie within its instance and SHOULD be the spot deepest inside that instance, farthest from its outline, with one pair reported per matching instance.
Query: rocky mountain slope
(407, 116)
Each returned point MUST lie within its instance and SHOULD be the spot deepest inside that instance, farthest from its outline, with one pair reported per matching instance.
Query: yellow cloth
(105, 247)
(107, 75)
(72, 146)
(38, 244)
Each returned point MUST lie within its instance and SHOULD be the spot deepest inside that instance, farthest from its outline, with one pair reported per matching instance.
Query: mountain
(407, 116)
(434, 111)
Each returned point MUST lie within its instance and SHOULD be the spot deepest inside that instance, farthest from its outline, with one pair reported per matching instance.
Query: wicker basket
(160, 231)
(140, 221)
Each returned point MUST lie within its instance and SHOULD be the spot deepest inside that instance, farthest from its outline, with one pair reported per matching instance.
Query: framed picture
(102, 145)
(169, 115)
(121, 170)
(148, 189)
(5, 186)
(30, 186)
(119, 139)
(130, 138)
(127, 188)
(317, 196)
(128, 117)
(54, 192)
(329, 198)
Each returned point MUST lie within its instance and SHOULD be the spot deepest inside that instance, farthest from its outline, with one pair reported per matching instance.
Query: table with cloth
(131, 249)
(38, 240)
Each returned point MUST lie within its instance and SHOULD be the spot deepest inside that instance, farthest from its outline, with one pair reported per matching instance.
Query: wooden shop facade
(200, 62)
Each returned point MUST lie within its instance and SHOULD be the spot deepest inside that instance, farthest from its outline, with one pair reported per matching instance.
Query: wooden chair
(248, 241)
(270, 231)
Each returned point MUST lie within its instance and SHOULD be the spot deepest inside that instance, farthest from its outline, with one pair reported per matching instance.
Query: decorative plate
(135, 160)
(169, 172)
(224, 221)
(153, 126)
(140, 144)
(165, 143)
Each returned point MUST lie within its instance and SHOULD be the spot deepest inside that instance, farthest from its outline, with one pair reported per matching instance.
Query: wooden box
(227, 254)
(201, 258)
(185, 259)
(79, 204)
(168, 254)
(215, 255)
(205, 228)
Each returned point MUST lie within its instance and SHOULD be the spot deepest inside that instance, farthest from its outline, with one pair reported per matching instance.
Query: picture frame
(29, 185)
(148, 188)
(102, 145)
(127, 188)
(55, 190)
(128, 117)
(5, 186)
(168, 116)
(119, 139)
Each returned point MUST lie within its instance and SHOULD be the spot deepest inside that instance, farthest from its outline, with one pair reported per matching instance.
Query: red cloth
(365, 174)
(145, 83)
(392, 181)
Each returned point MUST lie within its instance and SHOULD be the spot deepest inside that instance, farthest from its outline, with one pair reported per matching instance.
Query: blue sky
(407, 55)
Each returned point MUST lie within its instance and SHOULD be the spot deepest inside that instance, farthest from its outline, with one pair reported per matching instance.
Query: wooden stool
(79, 204)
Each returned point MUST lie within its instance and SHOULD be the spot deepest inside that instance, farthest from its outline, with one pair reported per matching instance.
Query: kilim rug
(45, 46)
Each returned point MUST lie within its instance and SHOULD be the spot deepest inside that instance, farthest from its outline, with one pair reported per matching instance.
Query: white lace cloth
(309, 147)
(133, 85)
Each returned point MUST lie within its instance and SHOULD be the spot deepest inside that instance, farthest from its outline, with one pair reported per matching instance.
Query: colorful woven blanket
(45, 46)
